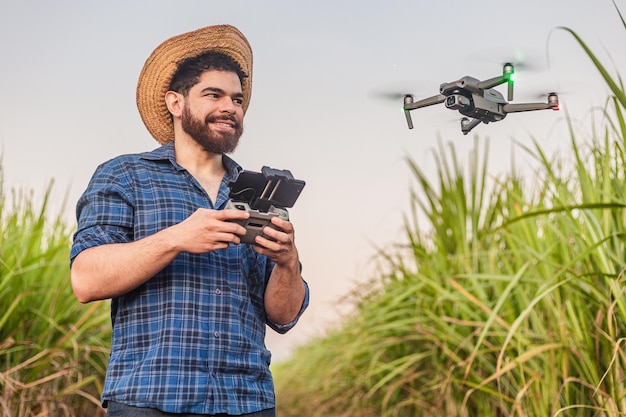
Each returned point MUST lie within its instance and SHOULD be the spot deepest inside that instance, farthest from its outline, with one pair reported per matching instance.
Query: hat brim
(156, 74)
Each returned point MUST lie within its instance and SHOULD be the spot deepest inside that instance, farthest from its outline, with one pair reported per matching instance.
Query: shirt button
(216, 333)
(218, 291)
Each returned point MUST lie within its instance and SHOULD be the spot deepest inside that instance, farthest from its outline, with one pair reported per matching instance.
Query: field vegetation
(53, 350)
(507, 300)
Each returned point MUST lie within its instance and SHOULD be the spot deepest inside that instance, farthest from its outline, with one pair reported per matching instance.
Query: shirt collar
(166, 153)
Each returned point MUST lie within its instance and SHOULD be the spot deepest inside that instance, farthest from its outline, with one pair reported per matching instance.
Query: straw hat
(157, 72)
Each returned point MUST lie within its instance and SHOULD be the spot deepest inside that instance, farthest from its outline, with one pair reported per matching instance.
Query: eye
(238, 101)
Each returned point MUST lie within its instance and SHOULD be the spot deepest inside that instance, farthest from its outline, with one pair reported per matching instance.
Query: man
(189, 302)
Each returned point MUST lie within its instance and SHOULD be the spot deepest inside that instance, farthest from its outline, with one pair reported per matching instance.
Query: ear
(174, 102)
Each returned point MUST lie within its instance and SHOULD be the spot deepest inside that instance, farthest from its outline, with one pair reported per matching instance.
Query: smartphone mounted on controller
(264, 195)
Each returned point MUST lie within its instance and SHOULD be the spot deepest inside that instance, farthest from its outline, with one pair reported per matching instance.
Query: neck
(207, 168)
(195, 159)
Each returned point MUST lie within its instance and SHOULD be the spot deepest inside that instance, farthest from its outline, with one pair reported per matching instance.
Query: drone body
(478, 100)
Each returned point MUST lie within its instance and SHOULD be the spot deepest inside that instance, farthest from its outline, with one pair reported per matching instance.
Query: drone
(478, 100)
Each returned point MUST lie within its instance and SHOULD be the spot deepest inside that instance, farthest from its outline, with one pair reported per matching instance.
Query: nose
(227, 105)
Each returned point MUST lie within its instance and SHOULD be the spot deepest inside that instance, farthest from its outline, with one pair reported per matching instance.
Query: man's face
(213, 112)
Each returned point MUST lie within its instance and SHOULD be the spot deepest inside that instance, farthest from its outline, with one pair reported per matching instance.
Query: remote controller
(257, 221)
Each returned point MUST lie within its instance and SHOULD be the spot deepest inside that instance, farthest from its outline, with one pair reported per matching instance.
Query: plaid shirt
(191, 339)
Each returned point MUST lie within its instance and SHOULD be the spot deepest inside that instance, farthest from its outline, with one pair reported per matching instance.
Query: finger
(284, 225)
(275, 235)
(232, 214)
(214, 227)
(227, 238)
(236, 229)
(266, 247)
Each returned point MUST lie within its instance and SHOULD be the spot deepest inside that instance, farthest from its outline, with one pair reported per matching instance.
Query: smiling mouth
(225, 124)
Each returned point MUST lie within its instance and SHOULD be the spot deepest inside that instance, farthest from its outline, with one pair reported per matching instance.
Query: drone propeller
(523, 60)
(542, 94)
(394, 91)
(388, 95)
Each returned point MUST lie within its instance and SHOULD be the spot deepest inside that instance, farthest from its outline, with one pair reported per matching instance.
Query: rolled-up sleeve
(104, 211)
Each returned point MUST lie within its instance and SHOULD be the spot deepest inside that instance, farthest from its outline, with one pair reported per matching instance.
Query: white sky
(68, 71)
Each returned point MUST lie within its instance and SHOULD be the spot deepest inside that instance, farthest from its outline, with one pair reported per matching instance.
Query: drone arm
(430, 101)
(410, 105)
(506, 77)
(493, 82)
(520, 107)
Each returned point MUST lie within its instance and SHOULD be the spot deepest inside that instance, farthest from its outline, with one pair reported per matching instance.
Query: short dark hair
(189, 70)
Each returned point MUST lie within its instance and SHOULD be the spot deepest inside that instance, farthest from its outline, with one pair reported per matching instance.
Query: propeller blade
(388, 95)
(523, 59)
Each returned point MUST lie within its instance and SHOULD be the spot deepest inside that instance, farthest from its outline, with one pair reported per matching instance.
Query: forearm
(285, 293)
(112, 270)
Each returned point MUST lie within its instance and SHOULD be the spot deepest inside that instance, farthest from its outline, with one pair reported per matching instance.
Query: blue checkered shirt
(191, 339)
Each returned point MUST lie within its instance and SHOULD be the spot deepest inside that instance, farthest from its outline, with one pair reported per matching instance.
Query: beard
(212, 142)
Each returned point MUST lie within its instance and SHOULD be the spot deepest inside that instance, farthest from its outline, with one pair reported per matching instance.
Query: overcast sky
(68, 71)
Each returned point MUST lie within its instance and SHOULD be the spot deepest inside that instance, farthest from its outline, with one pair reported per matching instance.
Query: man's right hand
(207, 230)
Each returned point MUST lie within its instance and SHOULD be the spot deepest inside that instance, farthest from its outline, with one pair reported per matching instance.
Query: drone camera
(457, 101)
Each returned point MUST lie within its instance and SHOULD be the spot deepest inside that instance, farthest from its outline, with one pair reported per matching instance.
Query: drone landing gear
(467, 125)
